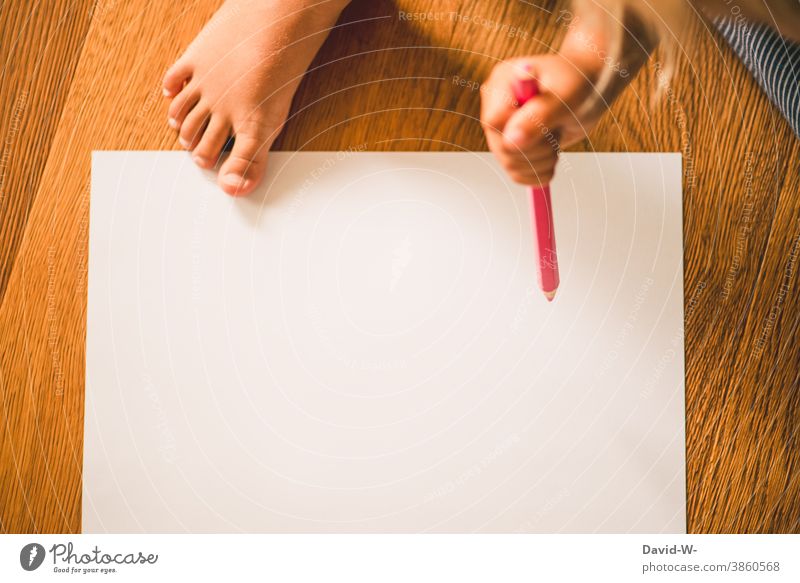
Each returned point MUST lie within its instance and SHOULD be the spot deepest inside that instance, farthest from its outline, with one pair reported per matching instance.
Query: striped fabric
(773, 61)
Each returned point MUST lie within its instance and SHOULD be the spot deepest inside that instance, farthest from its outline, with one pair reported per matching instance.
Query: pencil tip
(550, 295)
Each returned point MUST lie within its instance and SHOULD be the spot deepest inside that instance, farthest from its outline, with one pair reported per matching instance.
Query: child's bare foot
(238, 77)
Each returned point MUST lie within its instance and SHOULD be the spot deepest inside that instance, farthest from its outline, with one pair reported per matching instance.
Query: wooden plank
(114, 102)
(41, 45)
(386, 83)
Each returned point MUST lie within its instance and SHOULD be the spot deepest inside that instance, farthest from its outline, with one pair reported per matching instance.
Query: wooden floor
(83, 75)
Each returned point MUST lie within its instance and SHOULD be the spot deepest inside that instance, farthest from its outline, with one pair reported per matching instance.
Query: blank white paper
(360, 346)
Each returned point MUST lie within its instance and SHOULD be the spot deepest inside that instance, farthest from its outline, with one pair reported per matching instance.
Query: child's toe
(193, 126)
(208, 150)
(245, 166)
(181, 106)
(178, 74)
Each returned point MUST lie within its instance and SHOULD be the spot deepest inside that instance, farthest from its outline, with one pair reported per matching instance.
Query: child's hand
(527, 139)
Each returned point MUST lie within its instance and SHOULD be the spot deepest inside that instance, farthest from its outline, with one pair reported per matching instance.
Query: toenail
(184, 143)
(167, 92)
(173, 123)
(199, 160)
(234, 180)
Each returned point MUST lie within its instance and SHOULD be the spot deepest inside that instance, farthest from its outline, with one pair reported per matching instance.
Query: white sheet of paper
(361, 347)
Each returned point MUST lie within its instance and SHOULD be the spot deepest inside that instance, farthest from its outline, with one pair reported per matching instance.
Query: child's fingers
(538, 149)
(536, 123)
(523, 160)
(536, 165)
(496, 142)
(531, 172)
(525, 139)
(533, 151)
(531, 177)
(497, 98)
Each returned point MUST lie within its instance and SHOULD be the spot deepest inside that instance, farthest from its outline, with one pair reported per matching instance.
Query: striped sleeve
(773, 61)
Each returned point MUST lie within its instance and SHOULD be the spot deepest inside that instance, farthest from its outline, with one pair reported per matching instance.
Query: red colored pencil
(544, 236)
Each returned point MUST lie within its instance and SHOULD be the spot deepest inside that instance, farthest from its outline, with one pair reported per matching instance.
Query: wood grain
(381, 82)
(38, 55)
